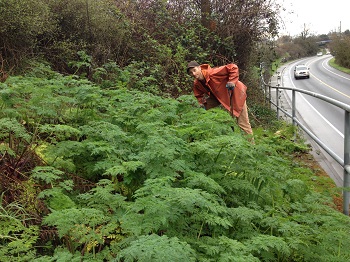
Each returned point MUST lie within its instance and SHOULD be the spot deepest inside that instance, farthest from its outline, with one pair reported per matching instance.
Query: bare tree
(241, 23)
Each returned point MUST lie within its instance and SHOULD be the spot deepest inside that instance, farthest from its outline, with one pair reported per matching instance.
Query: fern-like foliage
(161, 207)
(59, 132)
(80, 228)
(10, 128)
(89, 224)
(103, 197)
(47, 174)
(56, 195)
(222, 249)
(75, 221)
(268, 248)
(17, 241)
(168, 181)
(158, 249)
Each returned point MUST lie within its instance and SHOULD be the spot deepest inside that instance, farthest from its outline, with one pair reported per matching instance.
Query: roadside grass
(319, 180)
(309, 169)
(336, 66)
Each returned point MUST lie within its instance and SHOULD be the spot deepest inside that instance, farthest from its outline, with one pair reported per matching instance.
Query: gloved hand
(230, 85)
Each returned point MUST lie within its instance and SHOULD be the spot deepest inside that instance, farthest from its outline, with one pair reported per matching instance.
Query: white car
(301, 71)
(319, 54)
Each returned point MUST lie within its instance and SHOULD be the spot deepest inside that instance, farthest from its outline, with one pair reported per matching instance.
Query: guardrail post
(277, 103)
(277, 95)
(346, 193)
(269, 87)
(293, 107)
(293, 113)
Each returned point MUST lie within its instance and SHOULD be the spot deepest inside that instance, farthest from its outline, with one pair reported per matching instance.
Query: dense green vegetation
(154, 39)
(106, 156)
(110, 174)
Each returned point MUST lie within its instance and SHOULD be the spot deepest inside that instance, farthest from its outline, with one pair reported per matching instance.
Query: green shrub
(124, 169)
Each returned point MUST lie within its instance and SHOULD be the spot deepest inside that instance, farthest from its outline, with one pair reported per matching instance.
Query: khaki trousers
(242, 120)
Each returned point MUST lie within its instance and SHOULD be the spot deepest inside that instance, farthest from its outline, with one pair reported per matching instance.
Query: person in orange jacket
(221, 85)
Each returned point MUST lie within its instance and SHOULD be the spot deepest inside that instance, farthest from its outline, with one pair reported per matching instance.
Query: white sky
(319, 17)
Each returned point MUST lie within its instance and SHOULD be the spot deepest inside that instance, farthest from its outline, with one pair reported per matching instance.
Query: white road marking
(333, 127)
(323, 64)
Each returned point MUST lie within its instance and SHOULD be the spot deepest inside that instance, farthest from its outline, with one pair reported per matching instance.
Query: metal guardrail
(345, 163)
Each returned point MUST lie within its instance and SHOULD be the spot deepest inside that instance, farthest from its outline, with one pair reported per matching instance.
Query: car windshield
(301, 68)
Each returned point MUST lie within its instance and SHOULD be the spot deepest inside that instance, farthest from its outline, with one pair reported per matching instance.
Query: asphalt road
(326, 121)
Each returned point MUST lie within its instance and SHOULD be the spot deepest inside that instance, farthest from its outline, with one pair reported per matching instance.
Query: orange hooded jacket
(216, 79)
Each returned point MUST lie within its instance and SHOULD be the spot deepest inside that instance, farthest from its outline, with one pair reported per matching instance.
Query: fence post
(269, 88)
(346, 193)
(277, 103)
(277, 95)
(293, 113)
(293, 107)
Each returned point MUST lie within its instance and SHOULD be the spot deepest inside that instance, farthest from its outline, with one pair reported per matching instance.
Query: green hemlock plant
(17, 234)
(124, 175)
